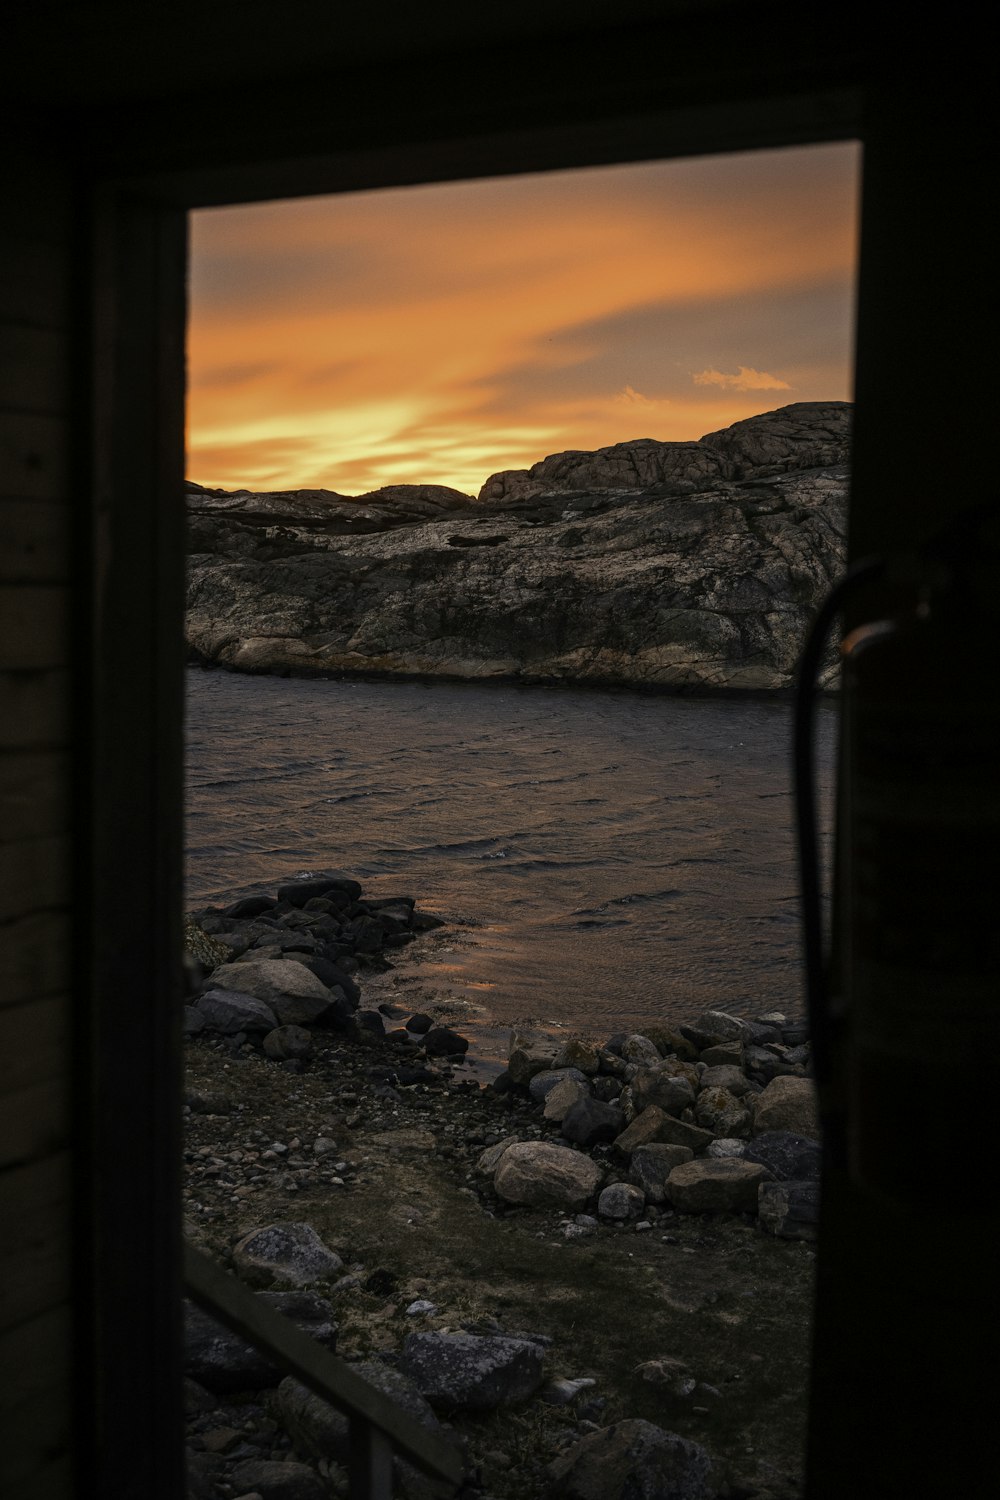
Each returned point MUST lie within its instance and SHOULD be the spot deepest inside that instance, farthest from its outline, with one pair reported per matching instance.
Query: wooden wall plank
(53, 1480)
(34, 368)
(34, 627)
(33, 1351)
(37, 708)
(43, 1424)
(36, 956)
(34, 461)
(34, 1042)
(34, 874)
(34, 285)
(34, 794)
(37, 543)
(33, 1122)
(35, 1252)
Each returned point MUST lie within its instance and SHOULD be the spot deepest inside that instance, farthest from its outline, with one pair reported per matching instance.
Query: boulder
(633, 1460)
(725, 1076)
(714, 1186)
(287, 1041)
(292, 1255)
(459, 1371)
(659, 1085)
(639, 1049)
(441, 1041)
(788, 1104)
(298, 892)
(540, 1085)
(545, 1176)
(490, 1159)
(530, 1053)
(724, 1055)
(561, 1099)
(651, 1166)
(621, 1200)
(789, 1210)
(230, 1011)
(788, 1157)
(221, 1361)
(589, 1122)
(291, 990)
(653, 1126)
(715, 1026)
(578, 1054)
(722, 1113)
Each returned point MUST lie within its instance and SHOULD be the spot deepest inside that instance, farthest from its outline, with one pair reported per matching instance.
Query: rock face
(669, 565)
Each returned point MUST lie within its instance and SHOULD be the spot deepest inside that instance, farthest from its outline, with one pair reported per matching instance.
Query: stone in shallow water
(465, 1372)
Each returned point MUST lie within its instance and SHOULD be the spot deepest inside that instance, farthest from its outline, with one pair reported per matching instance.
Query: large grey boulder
(291, 1255)
(462, 1372)
(293, 993)
(633, 1460)
(221, 1361)
(653, 1126)
(540, 1085)
(650, 1168)
(788, 1104)
(545, 1176)
(530, 1053)
(589, 1122)
(230, 1011)
(559, 1101)
(716, 1185)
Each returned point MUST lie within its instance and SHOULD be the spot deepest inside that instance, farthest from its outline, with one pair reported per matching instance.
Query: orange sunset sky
(438, 334)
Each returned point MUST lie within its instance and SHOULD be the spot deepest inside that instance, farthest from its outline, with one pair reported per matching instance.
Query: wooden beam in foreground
(331, 1378)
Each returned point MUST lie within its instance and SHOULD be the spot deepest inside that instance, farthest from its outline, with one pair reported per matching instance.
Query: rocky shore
(673, 566)
(594, 1274)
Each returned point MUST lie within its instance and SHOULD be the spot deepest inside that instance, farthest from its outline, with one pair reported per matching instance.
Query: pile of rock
(269, 967)
(715, 1117)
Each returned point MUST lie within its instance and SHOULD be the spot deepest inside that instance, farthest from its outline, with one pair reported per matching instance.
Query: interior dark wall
(116, 119)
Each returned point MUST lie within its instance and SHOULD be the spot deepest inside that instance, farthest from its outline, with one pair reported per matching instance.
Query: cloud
(745, 380)
(437, 334)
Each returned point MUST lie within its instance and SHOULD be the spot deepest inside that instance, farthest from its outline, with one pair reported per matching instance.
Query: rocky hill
(689, 566)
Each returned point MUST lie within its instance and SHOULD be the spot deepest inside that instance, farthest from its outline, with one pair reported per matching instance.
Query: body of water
(602, 859)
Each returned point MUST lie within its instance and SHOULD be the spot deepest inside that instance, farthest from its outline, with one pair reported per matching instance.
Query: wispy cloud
(745, 379)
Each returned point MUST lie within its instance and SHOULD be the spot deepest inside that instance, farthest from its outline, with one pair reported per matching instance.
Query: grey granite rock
(292, 1255)
(716, 1185)
(219, 1360)
(460, 1371)
(546, 1176)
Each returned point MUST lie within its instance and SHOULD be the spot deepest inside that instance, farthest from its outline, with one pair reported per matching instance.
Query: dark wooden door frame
(130, 660)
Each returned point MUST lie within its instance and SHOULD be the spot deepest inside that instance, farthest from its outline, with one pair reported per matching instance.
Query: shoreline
(617, 1218)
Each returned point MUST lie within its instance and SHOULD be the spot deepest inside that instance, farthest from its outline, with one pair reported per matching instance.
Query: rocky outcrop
(675, 566)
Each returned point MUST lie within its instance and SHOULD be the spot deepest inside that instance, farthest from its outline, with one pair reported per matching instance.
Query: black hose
(816, 961)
